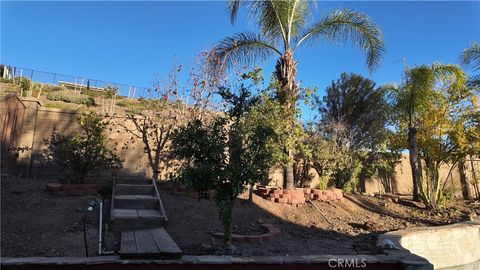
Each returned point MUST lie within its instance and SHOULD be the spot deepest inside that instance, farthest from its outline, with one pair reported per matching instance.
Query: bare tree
(172, 108)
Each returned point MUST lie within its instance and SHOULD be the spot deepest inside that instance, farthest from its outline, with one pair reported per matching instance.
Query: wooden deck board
(147, 213)
(125, 213)
(146, 246)
(128, 244)
(165, 243)
(150, 243)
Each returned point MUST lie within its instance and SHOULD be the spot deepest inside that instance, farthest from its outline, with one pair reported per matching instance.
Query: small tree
(172, 108)
(85, 152)
(346, 141)
(225, 154)
(435, 107)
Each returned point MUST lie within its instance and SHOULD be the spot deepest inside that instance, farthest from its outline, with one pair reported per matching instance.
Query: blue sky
(130, 42)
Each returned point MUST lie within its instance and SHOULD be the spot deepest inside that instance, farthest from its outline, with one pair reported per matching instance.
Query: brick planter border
(299, 195)
(272, 233)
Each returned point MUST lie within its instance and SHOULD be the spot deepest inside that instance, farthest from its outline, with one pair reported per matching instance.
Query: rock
(388, 244)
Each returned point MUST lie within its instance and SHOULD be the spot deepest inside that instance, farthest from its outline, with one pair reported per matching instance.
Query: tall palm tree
(284, 28)
(470, 57)
(413, 95)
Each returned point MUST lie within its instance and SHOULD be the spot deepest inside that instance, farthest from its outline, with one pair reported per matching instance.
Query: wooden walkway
(137, 212)
(151, 243)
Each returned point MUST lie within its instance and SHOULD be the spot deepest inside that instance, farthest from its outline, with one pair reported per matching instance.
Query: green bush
(61, 105)
(25, 85)
(93, 93)
(85, 152)
(6, 80)
(69, 97)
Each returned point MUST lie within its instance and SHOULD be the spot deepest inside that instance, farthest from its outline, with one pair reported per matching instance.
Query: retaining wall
(39, 122)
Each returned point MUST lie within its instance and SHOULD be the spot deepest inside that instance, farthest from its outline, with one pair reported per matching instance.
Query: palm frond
(242, 48)
(277, 20)
(232, 7)
(471, 57)
(349, 25)
(272, 17)
(299, 11)
(474, 81)
(452, 74)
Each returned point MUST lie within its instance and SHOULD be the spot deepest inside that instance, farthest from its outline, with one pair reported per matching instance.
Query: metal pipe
(85, 234)
(100, 230)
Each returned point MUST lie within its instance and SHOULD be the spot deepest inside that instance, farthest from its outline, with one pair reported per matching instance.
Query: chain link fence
(77, 83)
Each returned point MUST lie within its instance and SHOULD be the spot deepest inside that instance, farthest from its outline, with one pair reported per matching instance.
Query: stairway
(137, 212)
(136, 204)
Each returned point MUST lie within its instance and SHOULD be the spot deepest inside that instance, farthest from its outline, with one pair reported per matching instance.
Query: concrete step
(136, 202)
(136, 219)
(133, 181)
(129, 189)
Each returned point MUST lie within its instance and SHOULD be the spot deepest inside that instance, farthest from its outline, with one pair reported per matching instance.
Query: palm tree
(413, 95)
(284, 28)
(470, 57)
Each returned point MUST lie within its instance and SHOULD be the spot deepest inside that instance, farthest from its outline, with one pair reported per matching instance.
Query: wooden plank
(165, 243)
(136, 202)
(125, 213)
(125, 189)
(146, 246)
(128, 245)
(135, 197)
(146, 213)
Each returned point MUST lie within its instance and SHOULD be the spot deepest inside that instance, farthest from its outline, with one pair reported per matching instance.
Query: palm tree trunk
(413, 153)
(285, 72)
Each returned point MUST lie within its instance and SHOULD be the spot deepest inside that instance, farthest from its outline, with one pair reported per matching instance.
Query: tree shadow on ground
(303, 229)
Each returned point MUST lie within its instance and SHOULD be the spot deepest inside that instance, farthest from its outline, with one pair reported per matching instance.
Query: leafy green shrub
(25, 85)
(61, 105)
(323, 184)
(6, 80)
(84, 153)
(70, 97)
(93, 93)
(48, 88)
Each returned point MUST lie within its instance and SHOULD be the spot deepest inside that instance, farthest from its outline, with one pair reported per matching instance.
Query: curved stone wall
(443, 246)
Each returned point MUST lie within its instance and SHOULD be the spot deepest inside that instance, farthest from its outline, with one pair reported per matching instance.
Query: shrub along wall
(39, 122)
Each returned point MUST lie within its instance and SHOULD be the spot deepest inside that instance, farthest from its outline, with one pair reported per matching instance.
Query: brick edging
(299, 195)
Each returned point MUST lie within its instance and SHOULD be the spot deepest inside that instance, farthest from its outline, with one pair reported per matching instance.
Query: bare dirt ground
(355, 224)
(35, 223)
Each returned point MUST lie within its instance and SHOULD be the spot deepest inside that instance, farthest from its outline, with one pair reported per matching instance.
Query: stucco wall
(400, 182)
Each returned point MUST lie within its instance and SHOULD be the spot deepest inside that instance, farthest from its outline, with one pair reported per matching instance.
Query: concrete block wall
(39, 122)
